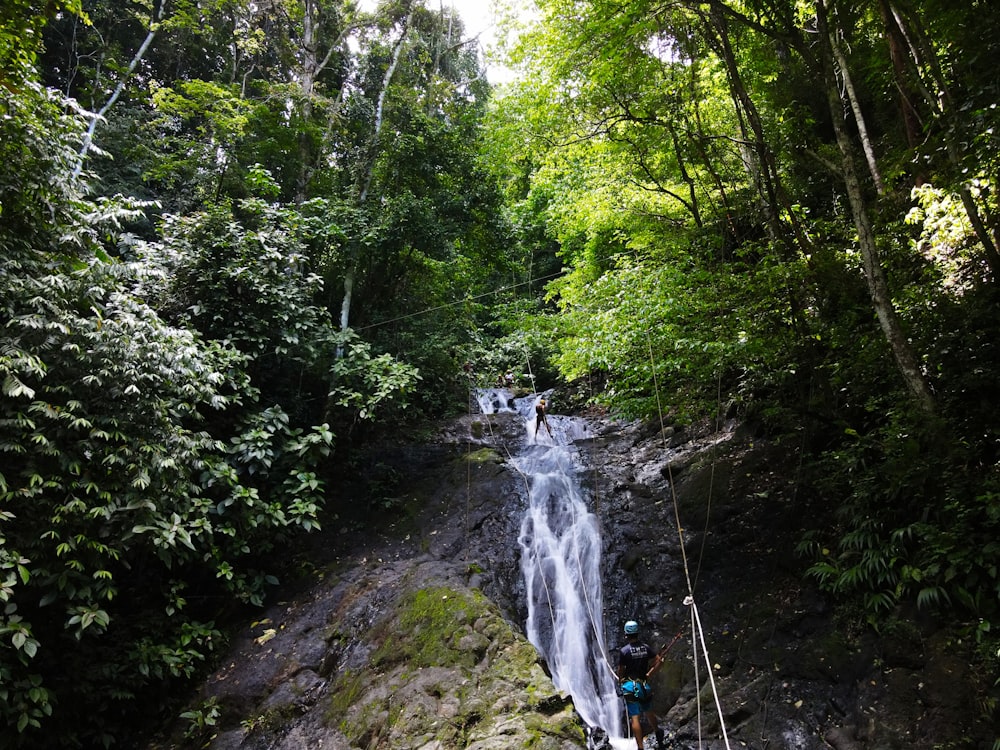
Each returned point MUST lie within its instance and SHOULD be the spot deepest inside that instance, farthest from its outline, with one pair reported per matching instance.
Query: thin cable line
(457, 302)
(490, 293)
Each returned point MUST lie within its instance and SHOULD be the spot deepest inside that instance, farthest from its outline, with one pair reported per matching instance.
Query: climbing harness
(637, 691)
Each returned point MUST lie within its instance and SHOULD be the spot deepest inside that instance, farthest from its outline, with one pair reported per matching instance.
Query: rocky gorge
(411, 637)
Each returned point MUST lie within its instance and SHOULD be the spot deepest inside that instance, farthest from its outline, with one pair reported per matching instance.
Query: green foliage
(909, 531)
(363, 383)
(202, 720)
(675, 229)
(681, 163)
(21, 25)
(117, 495)
(241, 275)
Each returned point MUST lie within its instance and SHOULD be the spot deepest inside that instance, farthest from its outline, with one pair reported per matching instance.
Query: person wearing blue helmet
(637, 662)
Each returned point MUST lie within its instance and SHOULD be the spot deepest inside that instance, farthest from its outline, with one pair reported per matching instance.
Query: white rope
(696, 631)
(527, 490)
(696, 620)
(697, 672)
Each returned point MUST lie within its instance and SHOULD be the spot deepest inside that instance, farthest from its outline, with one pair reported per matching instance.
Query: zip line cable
(490, 293)
(462, 301)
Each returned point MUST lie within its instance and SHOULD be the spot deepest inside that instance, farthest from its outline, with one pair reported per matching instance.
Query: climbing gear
(636, 691)
(663, 652)
(631, 627)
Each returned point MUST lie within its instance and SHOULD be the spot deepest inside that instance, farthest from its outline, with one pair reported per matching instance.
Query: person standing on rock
(540, 419)
(637, 662)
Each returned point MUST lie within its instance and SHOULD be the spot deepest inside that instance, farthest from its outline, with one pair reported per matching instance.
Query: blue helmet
(631, 627)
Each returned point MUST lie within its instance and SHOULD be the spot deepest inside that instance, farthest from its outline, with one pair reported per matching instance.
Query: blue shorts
(638, 707)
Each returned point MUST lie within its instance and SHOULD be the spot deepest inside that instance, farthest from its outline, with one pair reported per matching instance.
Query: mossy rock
(432, 628)
(483, 456)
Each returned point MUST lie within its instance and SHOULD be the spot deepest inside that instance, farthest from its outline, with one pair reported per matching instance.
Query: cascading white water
(560, 559)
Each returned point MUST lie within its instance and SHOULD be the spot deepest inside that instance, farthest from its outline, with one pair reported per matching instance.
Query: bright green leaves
(364, 383)
(245, 281)
(21, 24)
(120, 473)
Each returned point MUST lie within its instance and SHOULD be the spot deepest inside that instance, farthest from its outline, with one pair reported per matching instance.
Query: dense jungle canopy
(242, 239)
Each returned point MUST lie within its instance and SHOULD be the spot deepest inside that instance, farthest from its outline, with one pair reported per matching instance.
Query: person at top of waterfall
(637, 662)
(540, 418)
(508, 379)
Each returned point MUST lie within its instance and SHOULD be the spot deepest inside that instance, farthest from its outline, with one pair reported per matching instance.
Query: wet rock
(413, 640)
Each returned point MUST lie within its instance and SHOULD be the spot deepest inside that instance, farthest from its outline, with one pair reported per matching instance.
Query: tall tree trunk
(698, 139)
(314, 62)
(907, 97)
(859, 117)
(906, 359)
(365, 181)
(757, 156)
(88, 138)
(761, 162)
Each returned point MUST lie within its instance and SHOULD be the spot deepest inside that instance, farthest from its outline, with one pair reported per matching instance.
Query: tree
(138, 470)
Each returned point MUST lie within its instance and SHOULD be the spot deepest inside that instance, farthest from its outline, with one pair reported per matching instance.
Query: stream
(560, 542)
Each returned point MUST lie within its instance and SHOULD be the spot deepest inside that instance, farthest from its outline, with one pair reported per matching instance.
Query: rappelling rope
(670, 475)
(696, 620)
(591, 616)
(548, 595)
(468, 473)
(696, 629)
(711, 479)
(598, 634)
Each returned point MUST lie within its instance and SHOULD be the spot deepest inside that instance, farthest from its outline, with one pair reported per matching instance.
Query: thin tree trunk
(379, 110)
(924, 58)
(761, 167)
(911, 120)
(758, 158)
(345, 306)
(88, 138)
(366, 180)
(906, 359)
(312, 67)
(859, 117)
(686, 177)
(698, 139)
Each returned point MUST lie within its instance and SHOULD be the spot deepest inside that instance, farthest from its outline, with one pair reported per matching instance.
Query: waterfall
(561, 562)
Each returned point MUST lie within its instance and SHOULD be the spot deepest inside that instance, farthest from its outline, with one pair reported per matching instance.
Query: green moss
(565, 725)
(490, 672)
(344, 693)
(483, 456)
(428, 628)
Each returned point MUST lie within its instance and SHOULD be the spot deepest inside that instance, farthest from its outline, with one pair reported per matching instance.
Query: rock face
(405, 655)
(405, 639)
(790, 670)
(411, 638)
